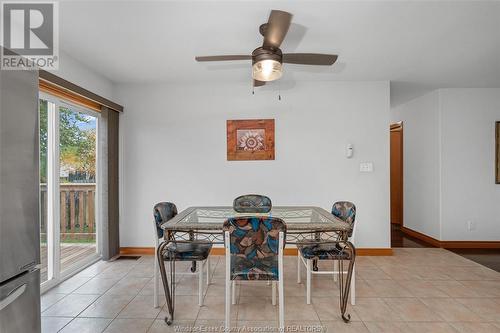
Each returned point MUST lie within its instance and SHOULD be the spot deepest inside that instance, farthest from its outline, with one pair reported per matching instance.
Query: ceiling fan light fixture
(267, 70)
(268, 59)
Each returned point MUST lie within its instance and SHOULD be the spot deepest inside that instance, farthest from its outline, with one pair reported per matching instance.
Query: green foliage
(77, 146)
(43, 119)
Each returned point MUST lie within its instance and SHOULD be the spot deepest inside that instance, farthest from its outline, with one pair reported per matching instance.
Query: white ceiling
(423, 43)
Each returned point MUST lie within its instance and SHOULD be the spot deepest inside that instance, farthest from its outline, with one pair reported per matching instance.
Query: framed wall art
(251, 139)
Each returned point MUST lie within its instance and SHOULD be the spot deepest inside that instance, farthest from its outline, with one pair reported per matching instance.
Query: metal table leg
(345, 283)
(168, 287)
(317, 236)
(315, 265)
(193, 263)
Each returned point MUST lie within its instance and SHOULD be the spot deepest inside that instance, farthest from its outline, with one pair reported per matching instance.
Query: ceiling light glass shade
(266, 70)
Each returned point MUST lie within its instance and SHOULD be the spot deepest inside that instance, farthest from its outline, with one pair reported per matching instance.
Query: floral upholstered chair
(252, 203)
(173, 250)
(346, 211)
(329, 250)
(254, 251)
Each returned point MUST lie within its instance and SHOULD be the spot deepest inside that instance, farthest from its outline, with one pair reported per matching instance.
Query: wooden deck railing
(77, 211)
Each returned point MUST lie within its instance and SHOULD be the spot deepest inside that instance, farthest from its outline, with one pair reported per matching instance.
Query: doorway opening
(69, 224)
(398, 237)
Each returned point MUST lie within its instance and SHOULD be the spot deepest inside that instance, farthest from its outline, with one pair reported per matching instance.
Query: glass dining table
(304, 224)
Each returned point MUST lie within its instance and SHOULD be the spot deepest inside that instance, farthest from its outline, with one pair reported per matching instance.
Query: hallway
(400, 239)
(486, 257)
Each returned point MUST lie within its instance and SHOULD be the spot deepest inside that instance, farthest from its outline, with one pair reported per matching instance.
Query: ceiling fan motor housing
(261, 53)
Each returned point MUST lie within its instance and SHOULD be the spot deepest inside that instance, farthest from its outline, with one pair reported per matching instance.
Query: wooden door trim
(398, 127)
(497, 152)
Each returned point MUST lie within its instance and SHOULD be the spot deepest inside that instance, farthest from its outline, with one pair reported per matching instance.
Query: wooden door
(397, 174)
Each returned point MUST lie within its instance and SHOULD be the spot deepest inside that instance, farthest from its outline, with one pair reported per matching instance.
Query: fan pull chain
(279, 91)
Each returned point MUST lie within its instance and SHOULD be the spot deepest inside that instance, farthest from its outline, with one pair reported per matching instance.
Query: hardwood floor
(400, 239)
(70, 254)
(486, 257)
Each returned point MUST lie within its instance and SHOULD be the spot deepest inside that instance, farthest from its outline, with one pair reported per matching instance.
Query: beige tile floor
(416, 290)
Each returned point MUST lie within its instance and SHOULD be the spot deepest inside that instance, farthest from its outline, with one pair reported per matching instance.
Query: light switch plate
(366, 167)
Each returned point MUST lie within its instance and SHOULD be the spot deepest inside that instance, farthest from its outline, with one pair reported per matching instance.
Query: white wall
(75, 72)
(174, 148)
(469, 192)
(449, 151)
(421, 163)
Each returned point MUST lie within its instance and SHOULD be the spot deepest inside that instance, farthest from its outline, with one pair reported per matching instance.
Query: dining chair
(177, 251)
(252, 203)
(254, 248)
(320, 250)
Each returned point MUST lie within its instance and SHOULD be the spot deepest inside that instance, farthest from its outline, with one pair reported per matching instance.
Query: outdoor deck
(77, 224)
(71, 253)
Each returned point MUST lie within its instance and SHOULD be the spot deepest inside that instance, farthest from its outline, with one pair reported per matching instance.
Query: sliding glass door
(44, 204)
(69, 185)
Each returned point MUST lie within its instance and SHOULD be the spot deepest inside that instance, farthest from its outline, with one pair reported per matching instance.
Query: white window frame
(54, 274)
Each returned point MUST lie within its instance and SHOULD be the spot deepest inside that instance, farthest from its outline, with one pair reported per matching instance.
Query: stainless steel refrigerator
(19, 205)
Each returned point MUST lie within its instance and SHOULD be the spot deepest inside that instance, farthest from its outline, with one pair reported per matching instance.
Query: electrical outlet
(471, 225)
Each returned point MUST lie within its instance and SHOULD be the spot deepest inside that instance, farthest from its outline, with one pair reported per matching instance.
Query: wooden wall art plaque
(251, 139)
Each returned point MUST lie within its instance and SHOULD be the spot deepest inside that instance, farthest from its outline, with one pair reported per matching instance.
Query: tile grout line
(204, 296)
(118, 313)
(100, 295)
(376, 263)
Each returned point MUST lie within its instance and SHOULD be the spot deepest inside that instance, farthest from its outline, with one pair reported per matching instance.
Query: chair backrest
(256, 240)
(346, 211)
(252, 203)
(163, 211)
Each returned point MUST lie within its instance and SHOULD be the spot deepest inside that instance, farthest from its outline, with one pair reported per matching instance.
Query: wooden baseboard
(137, 250)
(421, 236)
(451, 244)
(219, 251)
(470, 244)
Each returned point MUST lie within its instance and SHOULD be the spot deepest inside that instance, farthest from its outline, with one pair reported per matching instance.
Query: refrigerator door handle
(12, 296)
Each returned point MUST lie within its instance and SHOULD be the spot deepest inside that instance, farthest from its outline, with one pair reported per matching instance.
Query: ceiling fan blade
(224, 58)
(310, 59)
(258, 83)
(277, 27)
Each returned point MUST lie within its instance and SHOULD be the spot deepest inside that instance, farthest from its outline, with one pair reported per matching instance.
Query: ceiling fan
(267, 59)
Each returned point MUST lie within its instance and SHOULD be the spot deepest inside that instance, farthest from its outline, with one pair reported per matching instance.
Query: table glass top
(296, 218)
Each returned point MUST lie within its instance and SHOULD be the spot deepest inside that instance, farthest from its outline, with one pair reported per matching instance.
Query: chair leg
(227, 316)
(274, 293)
(207, 263)
(281, 296)
(298, 267)
(308, 281)
(200, 285)
(281, 277)
(353, 285)
(336, 270)
(156, 278)
(233, 292)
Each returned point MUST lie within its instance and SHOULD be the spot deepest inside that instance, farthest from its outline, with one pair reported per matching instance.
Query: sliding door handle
(12, 296)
